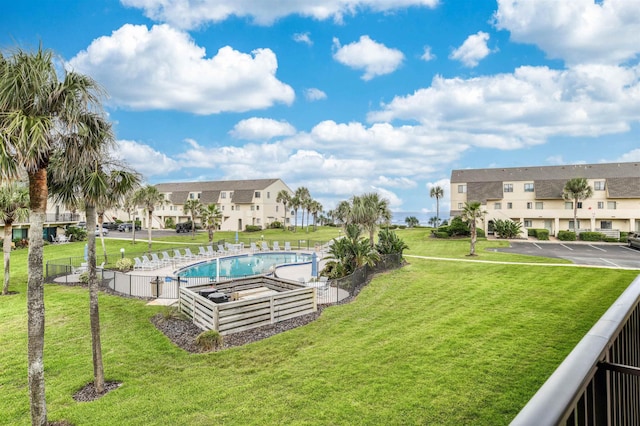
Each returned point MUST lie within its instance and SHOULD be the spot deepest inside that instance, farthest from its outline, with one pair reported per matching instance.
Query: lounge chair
(157, 260)
(221, 249)
(287, 246)
(276, 246)
(202, 252)
(148, 263)
(265, 246)
(137, 265)
(211, 252)
(188, 255)
(166, 259)
(254, 248)
(177, 256)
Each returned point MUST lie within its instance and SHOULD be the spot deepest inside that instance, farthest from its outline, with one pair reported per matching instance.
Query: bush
(275, 225)
(480, 233)
(592, 236)
(253, 228)
(458, 228)
(169, 223)
(209, 340)
(443, 229)
(124, 264)
(79, 234)
(507, 228)
(612, 240)
(566, 235)
(542, 234)
(439, 234)
(623, 237)
(84, 278)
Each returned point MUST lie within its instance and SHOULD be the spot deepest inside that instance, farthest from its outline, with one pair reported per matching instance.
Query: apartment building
(533, 196)
(241, 202)
(57, 218)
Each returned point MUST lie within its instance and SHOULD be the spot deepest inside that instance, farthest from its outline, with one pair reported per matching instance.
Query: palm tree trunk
(94, 313)
(6, 249)
(193, 227)
(149, 228)
(284, 225)
(437, 211)
(104, 247)
(38, 193)
(474, 234)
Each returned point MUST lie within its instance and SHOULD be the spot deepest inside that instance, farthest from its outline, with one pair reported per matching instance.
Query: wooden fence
(290, 301)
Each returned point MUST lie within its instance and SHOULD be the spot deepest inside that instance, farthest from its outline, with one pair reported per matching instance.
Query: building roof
(483, 191)
(242, 189)
(546, 173)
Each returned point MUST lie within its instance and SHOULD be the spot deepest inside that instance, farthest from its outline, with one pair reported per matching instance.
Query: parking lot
(597, 254)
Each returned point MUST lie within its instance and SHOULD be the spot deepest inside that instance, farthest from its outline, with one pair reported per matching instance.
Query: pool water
(242, 266)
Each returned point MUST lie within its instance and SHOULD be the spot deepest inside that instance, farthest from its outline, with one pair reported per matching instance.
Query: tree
(14, 203)
(148, 197)
(349, 253)
(302, 198)
(211, 216)
(314, 208)
(192, 207)
(39, 110)
(284, 197)
(470, 214)
(370, 210)
(433, 221)
(342, 213)
(411, 221)
(437, 192)
(576, 190)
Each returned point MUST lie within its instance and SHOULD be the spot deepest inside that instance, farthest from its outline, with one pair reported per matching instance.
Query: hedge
(592, 236)
(542, 234)
(566, 235)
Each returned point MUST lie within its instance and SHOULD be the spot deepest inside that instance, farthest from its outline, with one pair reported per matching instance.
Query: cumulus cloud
(144, 159)
(261, 128)
(162, 68)
(193, 13)
(577, 31)
(314, 94)
(427, 55)
(633, 155)
(303, 38)
(365, 54)
(509, 111)
(472, 50)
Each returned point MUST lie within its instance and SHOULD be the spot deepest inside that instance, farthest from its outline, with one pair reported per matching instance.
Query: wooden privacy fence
(290, 301)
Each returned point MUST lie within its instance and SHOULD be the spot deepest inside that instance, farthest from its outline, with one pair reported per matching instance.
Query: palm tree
(211, 216)
(342, 213)
(148, 197)
(193, 207)
(14, 202)
(295, 205)
(130, 207)
(433, 221)
(370, 210)
(314, 208)
(470, 214)
(437, 192)
(411, 221)
(351, 252)
(40, 108)
(284, 197)
(576, 190)
(302, 197)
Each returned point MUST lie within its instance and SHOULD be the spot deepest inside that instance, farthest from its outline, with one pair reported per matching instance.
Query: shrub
(507, 228)
(623, 237)
(172, 312)
(169, 223)
(443, 229)
(591, 236)
(209, 340)
(458, 227)
(124, 264)
(439, 234)
(390, 243)
(84, 278)
(542, 234)
(253, 228)
(480, 233)
(275, 225)
(566, 235)
(612, 239)
(79, 234)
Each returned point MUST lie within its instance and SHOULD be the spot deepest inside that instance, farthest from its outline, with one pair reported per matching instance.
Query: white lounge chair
(254, 248)
(166, 258)
(202, 252)
(159, 262)
(137, 264)
(287, 246)
(265, 246)
(221, 249)
(148, 263)
(188, 255)
(177, 256)
(276, 246)
(211, 252)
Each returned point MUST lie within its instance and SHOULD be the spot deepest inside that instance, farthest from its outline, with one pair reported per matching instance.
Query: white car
(105, 231)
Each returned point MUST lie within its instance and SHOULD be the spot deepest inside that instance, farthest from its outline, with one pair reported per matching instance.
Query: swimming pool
(242, 266)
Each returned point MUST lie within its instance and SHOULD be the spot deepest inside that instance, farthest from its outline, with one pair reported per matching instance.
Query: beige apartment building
(533, 196)
(241, 202)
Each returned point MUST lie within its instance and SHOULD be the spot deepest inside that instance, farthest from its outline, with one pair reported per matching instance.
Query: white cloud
(427, 55)
(163, 68)
(303, 38)
(633, 155)
(509, 111)
(375, 58)
(577, 31)
(556, 160)
(314, 94)
(144, 159)
(193, 13)
(261, 128)
(472, 50)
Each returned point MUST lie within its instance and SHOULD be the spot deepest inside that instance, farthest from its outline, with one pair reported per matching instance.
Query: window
(231, 194)
(199, 194)
(528, 187)
(497, 206)
(601, 204)
(509, 205)
(606, 224)
(507, 187)
(237, 208)
(192, 195)
(268, 195)
(277, 208)
(598, 185)
(612, 205)
(579, 204)
(231, 207)
(222, 208)
(462, 189)
(460, 206)
(529, 205)
(257, 207)
(568, 205)
(257, 194)
(539, 205)
(528, 223)
(223, 195)
(258, 221)
(571, 225)
(253, 208)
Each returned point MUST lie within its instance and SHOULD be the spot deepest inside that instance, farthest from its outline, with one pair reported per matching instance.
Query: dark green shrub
(480, 233)
(623, 237)
(458, 228)
(612, 240)
(531, 232)
(542, 234)
(79, 234)
(275, 225)
(507, 228)
(439, 234)
(390, 243)
(253, 228)
(443, 229)
(169, 223)
(591, 236)
(566, 235)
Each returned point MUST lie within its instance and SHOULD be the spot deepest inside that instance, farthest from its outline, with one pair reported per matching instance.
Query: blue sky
(351, 96)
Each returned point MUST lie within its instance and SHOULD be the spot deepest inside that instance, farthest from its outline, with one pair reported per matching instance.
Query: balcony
(52, 219)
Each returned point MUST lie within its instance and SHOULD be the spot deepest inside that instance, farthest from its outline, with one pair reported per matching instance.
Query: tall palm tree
(370, 210)
(314, 208)
(302, 196)
(40, 108)
(148, 197)
(284, 197)
(295, 205)
(14, 203)
(437, 192)
(129, 207)
(211, 216)
(192, 207)
(342, 213)
(576, 190)
(470, 214)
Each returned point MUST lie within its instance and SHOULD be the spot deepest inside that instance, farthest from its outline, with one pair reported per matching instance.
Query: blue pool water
(242, 266)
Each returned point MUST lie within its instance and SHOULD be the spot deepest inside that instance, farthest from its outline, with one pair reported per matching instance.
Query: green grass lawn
(432, 343)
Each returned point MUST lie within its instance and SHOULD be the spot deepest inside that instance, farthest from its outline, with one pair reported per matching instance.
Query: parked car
(633, 240)
(126, 227)
(184, 227)
(82, 225)
(104, 231)
(110, 225)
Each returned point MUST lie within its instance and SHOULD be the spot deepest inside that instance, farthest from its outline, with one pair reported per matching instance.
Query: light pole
(122, 253)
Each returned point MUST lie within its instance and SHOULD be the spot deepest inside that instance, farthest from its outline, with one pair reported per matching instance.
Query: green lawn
(432, 343)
